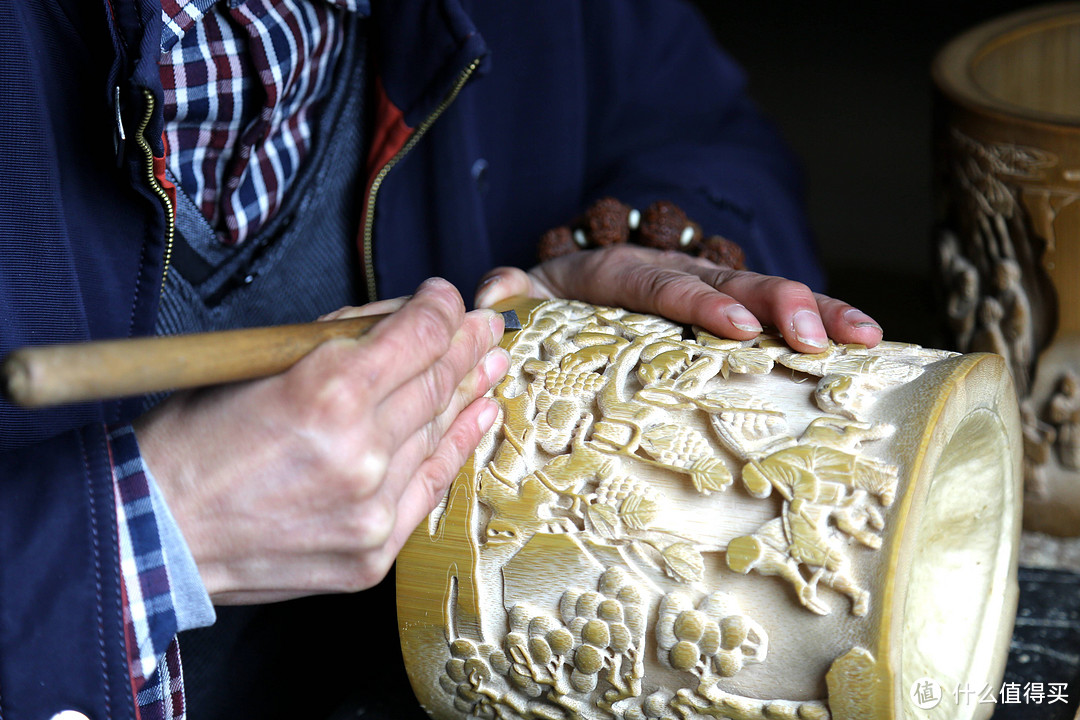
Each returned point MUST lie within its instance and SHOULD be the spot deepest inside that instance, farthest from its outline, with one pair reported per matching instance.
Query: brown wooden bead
(662, 226)
(606, 222)
(556, 242)
(723, 252)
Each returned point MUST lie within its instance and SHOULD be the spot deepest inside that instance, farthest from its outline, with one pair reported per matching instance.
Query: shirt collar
(179, 16)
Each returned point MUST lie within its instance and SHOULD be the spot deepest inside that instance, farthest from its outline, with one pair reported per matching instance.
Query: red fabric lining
(132, 653)
(390, 135)
(159, 174)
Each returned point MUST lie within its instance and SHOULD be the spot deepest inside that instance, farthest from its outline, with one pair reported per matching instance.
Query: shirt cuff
(191, 602)
(163, 589)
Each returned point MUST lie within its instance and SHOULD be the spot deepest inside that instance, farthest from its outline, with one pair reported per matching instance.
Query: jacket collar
(421, 48)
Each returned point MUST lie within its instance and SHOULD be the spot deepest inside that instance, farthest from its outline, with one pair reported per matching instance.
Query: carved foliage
(611, 424)
(549, 664)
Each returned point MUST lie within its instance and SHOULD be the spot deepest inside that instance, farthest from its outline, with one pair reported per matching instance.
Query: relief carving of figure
(962, 289)
(829, 491)
(1039, 439)
(1064, 413)
(989, 337)
(998, 226)
(1016, 321)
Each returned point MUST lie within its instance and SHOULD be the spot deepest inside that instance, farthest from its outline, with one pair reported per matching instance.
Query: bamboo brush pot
(1008, 182)
(664, 524)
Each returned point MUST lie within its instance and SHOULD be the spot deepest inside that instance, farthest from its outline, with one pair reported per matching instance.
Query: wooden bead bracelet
(663, 225)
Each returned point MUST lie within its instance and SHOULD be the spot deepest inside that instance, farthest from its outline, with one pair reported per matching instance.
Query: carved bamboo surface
(666, 524)
(1008, 185)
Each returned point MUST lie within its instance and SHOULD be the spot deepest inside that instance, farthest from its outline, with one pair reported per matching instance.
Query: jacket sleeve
(124, 524)
(163, 591)
(669, 118)
(78, 251)
(62, 640)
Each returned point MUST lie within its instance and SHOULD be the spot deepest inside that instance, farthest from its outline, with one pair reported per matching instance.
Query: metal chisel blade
(511, 320)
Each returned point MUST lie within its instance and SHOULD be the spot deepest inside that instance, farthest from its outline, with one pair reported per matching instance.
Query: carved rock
(665, 524)
(1008, 157)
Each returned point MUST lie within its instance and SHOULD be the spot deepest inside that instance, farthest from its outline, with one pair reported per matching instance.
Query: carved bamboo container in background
(1008, 161)
(664, 524)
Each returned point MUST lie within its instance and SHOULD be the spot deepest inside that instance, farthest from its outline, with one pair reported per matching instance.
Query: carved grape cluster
(573, 383)
(654, 707)
(676, 445)
(615, 488)
(714, 638)
(469, 668)
(603, 622)
(537, 643)
(683, 447)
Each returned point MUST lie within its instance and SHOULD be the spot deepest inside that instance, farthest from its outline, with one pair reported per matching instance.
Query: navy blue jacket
(562, 102)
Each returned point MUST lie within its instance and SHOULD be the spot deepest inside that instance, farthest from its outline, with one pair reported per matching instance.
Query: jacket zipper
(369, 209)
(152, 181)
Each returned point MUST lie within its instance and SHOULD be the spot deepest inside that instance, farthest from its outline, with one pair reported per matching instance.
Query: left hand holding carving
(729, 303)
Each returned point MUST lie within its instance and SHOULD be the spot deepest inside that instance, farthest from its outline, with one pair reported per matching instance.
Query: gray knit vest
(303, 263)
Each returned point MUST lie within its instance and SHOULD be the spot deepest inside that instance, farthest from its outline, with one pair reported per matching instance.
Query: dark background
(850, 90)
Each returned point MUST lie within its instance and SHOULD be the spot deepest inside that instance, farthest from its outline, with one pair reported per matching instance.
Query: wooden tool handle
(60, 374)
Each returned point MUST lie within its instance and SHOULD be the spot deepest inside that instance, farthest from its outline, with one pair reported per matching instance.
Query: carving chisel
(48, 375)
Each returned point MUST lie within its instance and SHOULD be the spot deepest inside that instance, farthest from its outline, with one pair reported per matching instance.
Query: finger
(787, 305)
(671, 284)
(592, 275)
(381, 307)
(467, 370)
(848, 324)
(428, 485)
(805, 319)
(503, 283)
(686, 297)
(411, 340)
(424, 443)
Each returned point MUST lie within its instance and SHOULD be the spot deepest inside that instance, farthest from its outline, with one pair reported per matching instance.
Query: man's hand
(729, 303)
(311, 481)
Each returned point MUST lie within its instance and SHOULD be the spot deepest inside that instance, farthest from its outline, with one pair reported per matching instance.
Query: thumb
(503, 283)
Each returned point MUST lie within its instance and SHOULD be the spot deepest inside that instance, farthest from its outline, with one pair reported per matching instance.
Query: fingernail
(742, 318)
(497, 325)
(859, 319)
(433, 282)
(484, 291)
(487, 415)
(496, 363)
(808, 329)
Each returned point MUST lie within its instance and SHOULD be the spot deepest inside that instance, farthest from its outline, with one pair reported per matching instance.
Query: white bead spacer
(579, 238)
(634, 219)
(687, 235)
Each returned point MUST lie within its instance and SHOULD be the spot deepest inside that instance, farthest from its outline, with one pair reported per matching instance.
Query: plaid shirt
(149, 611)
(242, 80)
